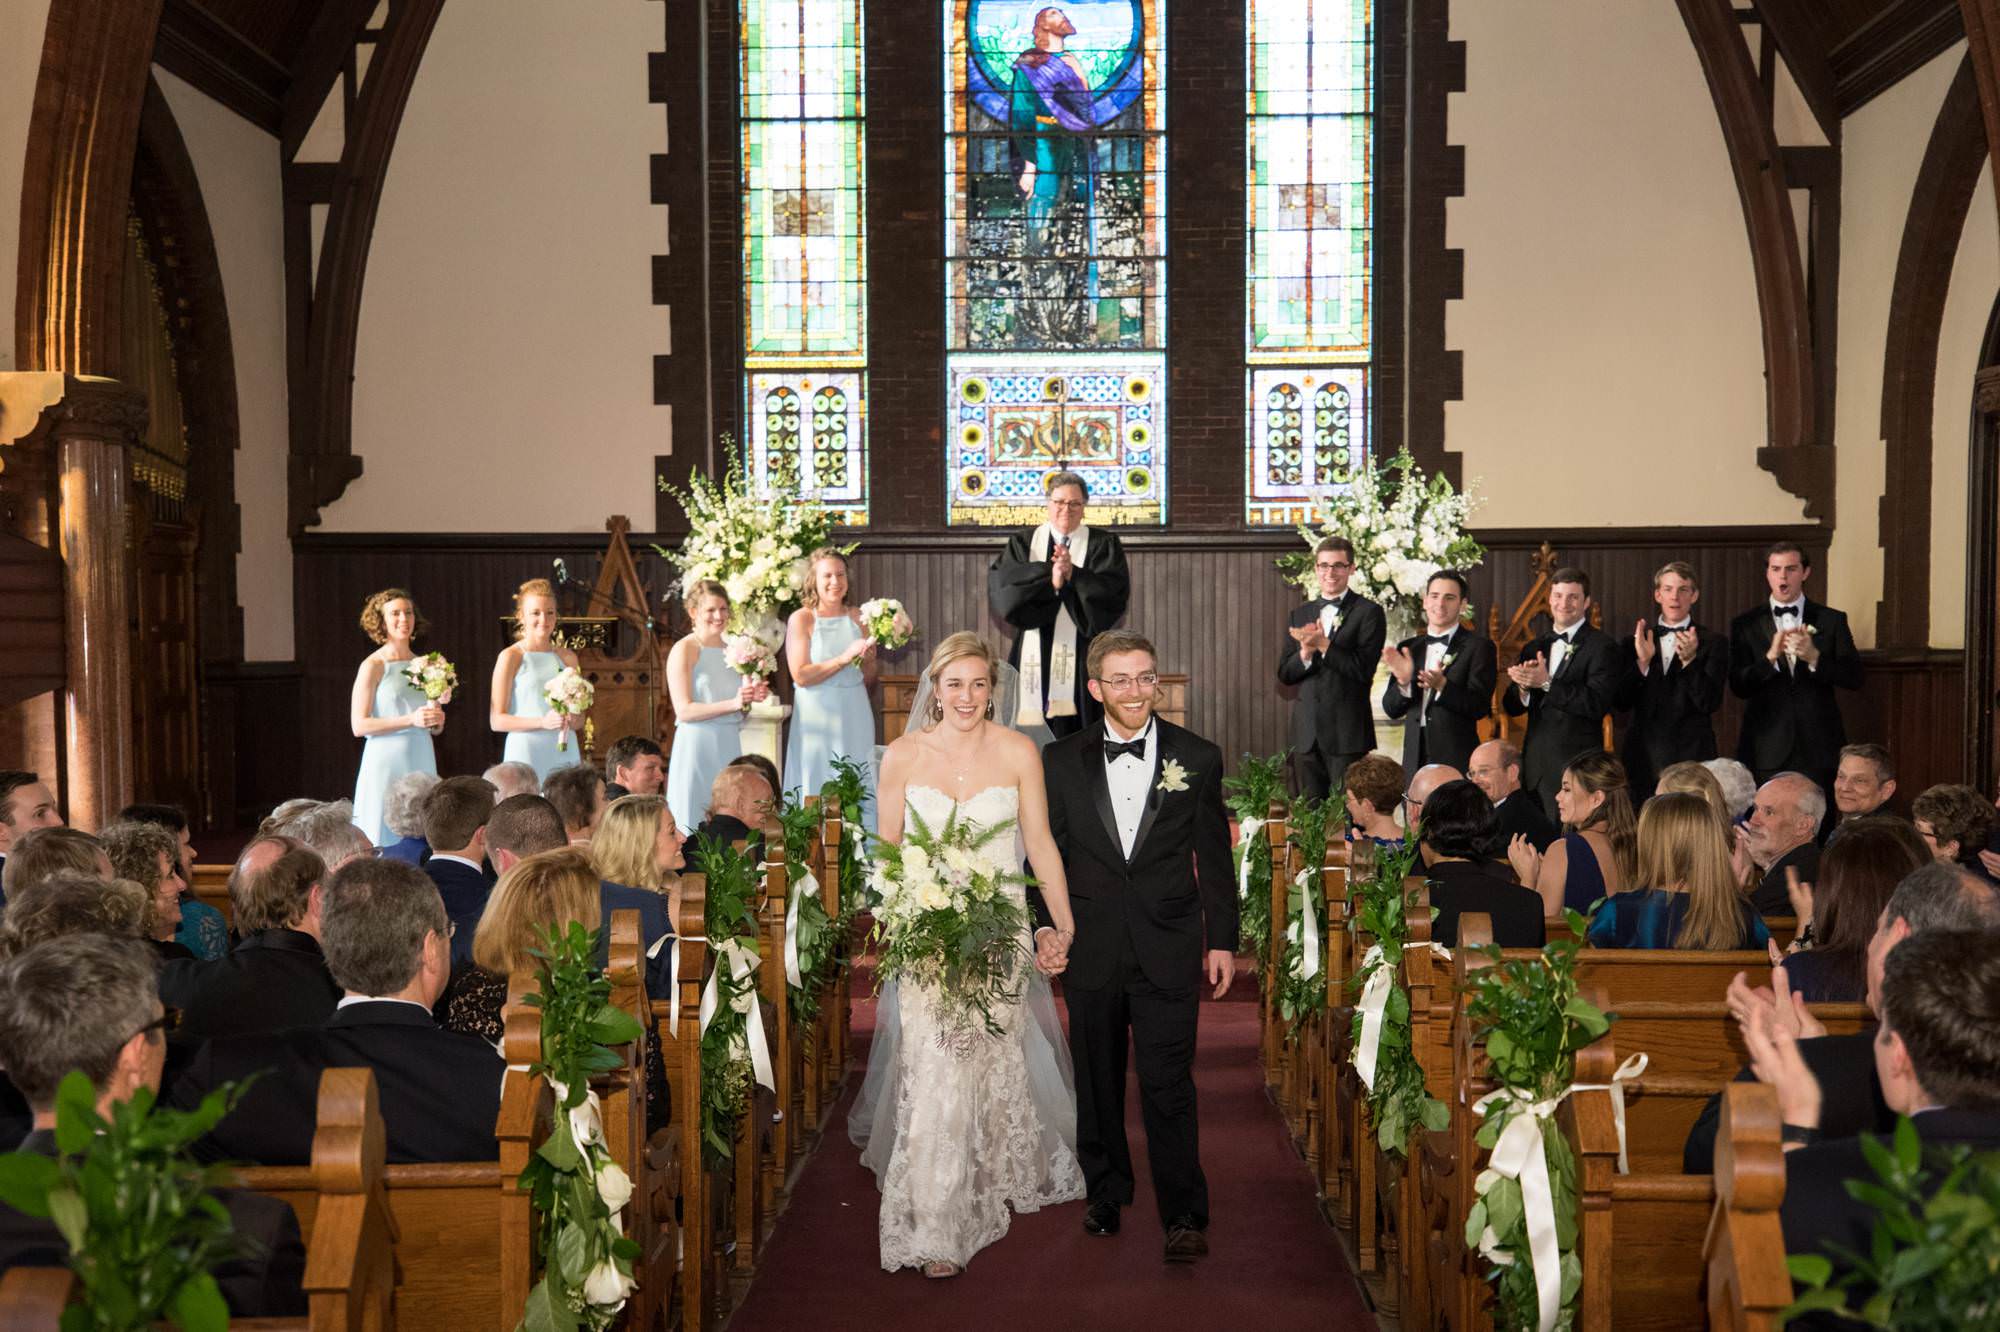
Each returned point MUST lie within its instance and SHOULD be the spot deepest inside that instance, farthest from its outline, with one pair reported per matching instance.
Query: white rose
(916, 862)
(606, 1285)
(1381, 541)
(763, 545)
(961, 860)
(933, 897)
(584, 1124)
(613, 1185)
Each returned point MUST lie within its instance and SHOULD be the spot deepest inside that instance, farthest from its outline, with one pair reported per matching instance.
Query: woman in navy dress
(1596, 854)
(391, 715)
(709, 701)
(833, 662)
(1861, 866)
(519, 709)
(1693, 901)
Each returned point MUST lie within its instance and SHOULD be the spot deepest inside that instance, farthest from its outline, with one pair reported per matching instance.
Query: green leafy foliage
(1300, 996)
(1397, 1104)
(817, 935)
(138, 1213)
(1533, 1022)
(1249, 795)
(1934, 1261)
(733, 890)
(577, 1231)
(847, 791)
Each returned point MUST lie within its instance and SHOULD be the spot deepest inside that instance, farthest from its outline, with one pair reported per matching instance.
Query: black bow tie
(1784, 610)
(1115, 748)
(1428, 639)
(1662, 627)
(1568, 639)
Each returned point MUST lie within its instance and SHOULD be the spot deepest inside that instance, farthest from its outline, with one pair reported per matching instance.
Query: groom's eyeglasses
(1121, 683)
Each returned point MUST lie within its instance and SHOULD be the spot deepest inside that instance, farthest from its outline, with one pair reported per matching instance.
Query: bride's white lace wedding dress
(957, 1139)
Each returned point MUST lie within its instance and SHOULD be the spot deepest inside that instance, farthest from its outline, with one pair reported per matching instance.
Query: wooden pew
(836, 1011)
(350, 1271)
(1748, 1283)
(652, 1165)
(703, 1192)
(211, 885)
(1783, 929)
(784, 1042)
(1276, 830)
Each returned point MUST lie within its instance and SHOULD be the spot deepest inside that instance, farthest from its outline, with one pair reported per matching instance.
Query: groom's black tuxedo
(1142, 924)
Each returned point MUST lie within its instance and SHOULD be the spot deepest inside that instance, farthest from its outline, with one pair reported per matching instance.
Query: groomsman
(1565, 681)
(1674, 673)
(1335, 641)
(1441, 681)
(1786, 658)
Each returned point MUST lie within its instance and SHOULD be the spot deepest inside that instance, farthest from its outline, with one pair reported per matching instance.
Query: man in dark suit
(25, 805)
(529, 825)
(1781, 834)
(738, 804)
(88, 1002)
(275, 977)
(1786, 658)
(455, 815)
(1672, 676)
(388, 944)
(1496, 768)
(1334, 643)
(634, 765)
(1136, 807)
(1565, 681)
(1864, 783)
(1441, 681)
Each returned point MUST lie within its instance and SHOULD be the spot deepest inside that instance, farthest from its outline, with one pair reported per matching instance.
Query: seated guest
(634, 765)
(1595, 857)
(1457, 848)
(1739, 787)
(202, 931)
(512, 778)
(1496, 766)
(1837, 913)
(387, 944)
(327, 826)
(1692, 778)
(1782, 835)
(25, 805)
(1692, 900)
(1427, 779)
(1937, 1058)
(285, 811)
(47, 851)
(403, 812)
(737, 809)
(1371, 790)
(144, 853)
(577, 792)
(639, 846)
(275, 977)
(765, 768)
(88, 1002)
(65, 904)
(455, 814)
(1955, 823)
(529, 825)
(1864, 782)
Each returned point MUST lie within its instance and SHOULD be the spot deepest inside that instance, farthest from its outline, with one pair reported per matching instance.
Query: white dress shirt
(1131, 782)
(1329, 617)
(1796, 620)
(1434, 655)
(1559, 649)
(1670, 643)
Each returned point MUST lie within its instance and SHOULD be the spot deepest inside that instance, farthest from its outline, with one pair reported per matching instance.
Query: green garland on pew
(1299, 996)
(816, 934)
(578, 1189)
(848, 790)
(1534, 1022)
(1397, 1103)
(1249, 795)
(730, 917)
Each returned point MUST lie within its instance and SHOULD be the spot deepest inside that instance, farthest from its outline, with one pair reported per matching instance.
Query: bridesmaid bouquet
(568, 694)
(943, 920)
(749, 655)
(432, 676)
(885, 621)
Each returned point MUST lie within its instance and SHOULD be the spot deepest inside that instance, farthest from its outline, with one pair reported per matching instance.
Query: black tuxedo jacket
(464, 890)
(723, 830)
(440, 1091)
(1521, 813)
(1673, 710)
(263, 1281)
(1771, 898)
(1791, 719)
(270, 981)
(1332, 711)
(1450, 731)
(1850, 1096)
(1819, 1214)
(1567, 718)
(1175, 896)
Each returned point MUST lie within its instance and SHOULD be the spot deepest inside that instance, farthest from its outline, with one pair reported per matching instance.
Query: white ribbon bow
(1250, 828)
(1309, 949)
(1374, 998)
(742, 960)
(800, 887)
(1519, 1155)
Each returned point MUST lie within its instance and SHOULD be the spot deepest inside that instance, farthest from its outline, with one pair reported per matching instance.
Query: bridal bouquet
(751, 537)
(432, 676)
(886, 622)
(568, 695)
(944, 920)
(1404, 526)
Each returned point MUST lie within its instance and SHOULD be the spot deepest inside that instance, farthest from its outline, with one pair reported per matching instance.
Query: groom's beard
(1130, 714)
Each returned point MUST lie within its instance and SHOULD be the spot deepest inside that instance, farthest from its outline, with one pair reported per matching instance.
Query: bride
(956, 1139)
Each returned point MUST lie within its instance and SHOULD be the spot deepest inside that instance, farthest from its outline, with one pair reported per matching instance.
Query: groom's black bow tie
(1114, 748)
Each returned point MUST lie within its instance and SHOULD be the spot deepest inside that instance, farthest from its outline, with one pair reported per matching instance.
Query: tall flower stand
(764, 732)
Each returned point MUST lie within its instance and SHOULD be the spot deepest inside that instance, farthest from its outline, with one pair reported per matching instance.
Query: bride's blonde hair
(956, 648)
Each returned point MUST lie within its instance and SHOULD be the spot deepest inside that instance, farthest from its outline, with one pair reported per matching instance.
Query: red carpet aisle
(1273, 1262)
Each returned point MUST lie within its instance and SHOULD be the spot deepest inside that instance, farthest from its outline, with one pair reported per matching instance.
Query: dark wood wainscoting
(1914, 703)
(255, 741)
(1212, 603)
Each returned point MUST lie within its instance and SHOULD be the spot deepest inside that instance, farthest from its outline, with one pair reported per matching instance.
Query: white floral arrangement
(1404, 526)
(754, 541)
(432, 676)
(568, 694)
(885, 621)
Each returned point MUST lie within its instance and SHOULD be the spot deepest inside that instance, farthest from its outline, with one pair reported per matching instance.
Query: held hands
(1530, 674)
(1400, 665)
(1052, 951)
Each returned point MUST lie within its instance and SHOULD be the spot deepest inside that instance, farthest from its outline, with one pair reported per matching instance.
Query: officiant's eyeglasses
(1065, 504)
(1120, 683)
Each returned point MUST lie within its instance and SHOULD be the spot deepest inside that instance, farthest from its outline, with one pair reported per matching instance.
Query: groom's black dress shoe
(1185, 1240)
(1100, 1218)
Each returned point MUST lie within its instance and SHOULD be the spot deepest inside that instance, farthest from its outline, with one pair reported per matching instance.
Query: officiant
(1059, 586)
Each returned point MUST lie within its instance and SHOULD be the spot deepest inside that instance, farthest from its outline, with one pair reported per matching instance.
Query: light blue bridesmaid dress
(538, 749)
(704, 748)
(832, 718)
(386, 757)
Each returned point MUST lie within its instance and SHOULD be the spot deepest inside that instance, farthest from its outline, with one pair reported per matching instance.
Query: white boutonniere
(1449, 658)
(1173, 777)
(1812, 631)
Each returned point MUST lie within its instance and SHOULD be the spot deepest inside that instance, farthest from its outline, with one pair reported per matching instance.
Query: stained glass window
(1055, 257)
(805, 254)
(1308, 213)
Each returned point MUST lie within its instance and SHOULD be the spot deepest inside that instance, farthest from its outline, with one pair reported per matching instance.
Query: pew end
(1749, 1285)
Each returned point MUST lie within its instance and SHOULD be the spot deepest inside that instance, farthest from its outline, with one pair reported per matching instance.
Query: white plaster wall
(1975, 277)
(238, 167)
(1614, 371)
(22, 23)
(503, 380)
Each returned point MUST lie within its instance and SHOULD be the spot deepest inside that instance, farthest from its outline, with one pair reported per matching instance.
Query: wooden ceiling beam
(323, 55)
(1898, 40)
(194, 44)
(1791, 27)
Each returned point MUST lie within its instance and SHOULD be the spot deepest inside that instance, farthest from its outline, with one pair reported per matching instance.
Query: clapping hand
(1803, 646)
(1801, 894)
(1433, 679)
(1777, 648)
(1685, 645)
(1775, 1059)
(1309, 637)
(1061, 567)
(1400, 665)
(1642, 645)
(1783, 1006)
(1530, 674)
(1527, 861)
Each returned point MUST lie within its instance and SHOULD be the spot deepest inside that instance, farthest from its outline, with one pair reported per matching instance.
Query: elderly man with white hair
(511, 779)
(327, 827)
(1782, 835)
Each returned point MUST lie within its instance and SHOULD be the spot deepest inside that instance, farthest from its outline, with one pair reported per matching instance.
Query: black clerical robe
(1096, 594)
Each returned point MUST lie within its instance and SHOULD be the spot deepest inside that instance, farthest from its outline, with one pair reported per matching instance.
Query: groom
(1136, 806)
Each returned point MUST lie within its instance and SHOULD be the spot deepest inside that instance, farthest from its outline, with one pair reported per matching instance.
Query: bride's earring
(989, 709)
(937, 710)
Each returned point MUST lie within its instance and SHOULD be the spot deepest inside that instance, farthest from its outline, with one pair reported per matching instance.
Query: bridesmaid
(833, 663)
(518, 709)
(389, 712)
(709, 699)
